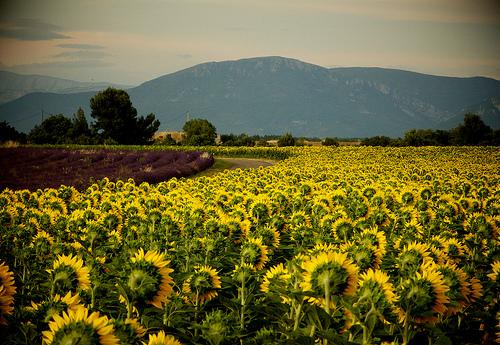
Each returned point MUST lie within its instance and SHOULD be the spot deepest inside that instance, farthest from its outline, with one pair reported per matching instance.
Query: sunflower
(269, 235)
(149, 279)
(363, 255)
(412, 257)
(161, 339)
(78, 327)
(201, 286)
(376, 290)
(423, 296)
(476, 289)
(259, 208)
(321, 248)
(495, 271)
(129, 331)
(380, 216)
(254, 253)
(380, 280)
(407, 197)
(276, 279)
(343, 229)
(372, 236)
(456, 279)
(42, 238)
(55, 305)
(299, 218)
(69, 274)
(454, 250)
(327, 275)
(7, 292)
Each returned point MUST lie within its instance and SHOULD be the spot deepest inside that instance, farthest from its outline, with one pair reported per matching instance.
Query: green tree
(237, 140)
(80, 131)
(286, 140)
(53, 130)
(473, 131)
(379, 140)
(199, 132)
(330, 142)
(7, 132)
(116, 118)
(169, 140)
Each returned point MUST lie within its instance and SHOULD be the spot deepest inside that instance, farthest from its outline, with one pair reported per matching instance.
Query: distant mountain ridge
(13, 85)
(273, 95)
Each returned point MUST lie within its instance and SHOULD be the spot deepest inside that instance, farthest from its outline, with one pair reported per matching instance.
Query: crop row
(39, 167)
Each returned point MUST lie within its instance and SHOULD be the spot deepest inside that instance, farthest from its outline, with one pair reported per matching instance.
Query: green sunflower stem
(406, 327)
(242, 303)
(327, 296)
(298, 311)
(196, 311)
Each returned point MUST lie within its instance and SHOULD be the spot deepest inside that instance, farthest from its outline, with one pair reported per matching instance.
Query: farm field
(36, 167)
(348, 245)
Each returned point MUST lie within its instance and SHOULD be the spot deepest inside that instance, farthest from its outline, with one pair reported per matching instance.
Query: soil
(246, 163)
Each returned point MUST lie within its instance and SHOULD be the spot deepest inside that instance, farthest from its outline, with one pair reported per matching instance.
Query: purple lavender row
(33, 168)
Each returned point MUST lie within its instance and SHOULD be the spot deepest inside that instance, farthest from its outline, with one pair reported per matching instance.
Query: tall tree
(80, 130)
(117, 119)
(7, 132)
(472, 132)
(199, 132)
(286, 140)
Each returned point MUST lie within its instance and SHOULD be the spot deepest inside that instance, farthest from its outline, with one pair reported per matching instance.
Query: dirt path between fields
(222, 164)
(246, 163)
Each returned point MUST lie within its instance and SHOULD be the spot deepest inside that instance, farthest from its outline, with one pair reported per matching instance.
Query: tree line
(471, 132)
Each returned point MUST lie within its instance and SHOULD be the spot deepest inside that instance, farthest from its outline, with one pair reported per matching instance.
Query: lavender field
(33, 168)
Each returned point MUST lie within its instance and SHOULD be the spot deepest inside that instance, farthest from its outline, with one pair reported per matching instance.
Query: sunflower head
(363, 255)
(376, 291)
(149, 280)
(343, 229)
(79, 327)
(456, 280)
(69, 274)
(254, 253)
(277, 280)
(202, 285)
(411, 258)
(494, 275)
(327, 275)
(42, 242)
(129, 331)
(269, 235)
(7, 292)
(161, 338)
(423, 296)
(259, 208)
(44, 311)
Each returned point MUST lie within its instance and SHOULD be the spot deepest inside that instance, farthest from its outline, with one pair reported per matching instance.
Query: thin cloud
(31, 30)
(82, 54)
(80, 46)
(49, 67)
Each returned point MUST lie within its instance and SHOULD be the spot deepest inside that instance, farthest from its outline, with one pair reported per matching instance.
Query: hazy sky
(132, 41)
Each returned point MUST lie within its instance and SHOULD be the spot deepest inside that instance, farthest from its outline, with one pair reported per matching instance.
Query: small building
(177, 136)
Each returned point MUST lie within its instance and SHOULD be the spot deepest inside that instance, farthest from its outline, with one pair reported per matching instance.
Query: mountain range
(13, 85)
(273, 95)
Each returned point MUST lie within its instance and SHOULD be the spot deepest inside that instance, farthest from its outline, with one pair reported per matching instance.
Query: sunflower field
(329, 246)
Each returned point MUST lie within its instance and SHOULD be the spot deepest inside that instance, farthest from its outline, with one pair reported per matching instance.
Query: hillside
(274, 95)
(13, 85)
